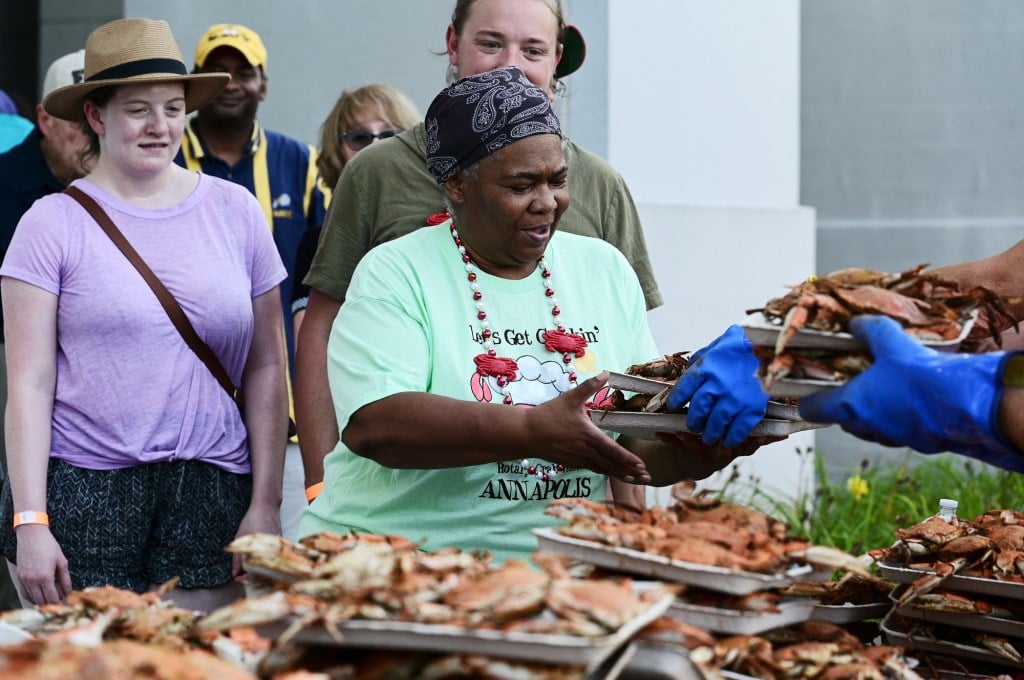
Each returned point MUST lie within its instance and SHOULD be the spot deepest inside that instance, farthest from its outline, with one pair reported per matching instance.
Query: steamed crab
(667, 369)
(990, 546)
(928, 307)
(851, 587)
(951, 602)
(386, 579)
(809, 650)
(703, 531)
(34, 660)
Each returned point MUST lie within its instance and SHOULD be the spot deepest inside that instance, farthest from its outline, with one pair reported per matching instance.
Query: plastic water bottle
(947, 510)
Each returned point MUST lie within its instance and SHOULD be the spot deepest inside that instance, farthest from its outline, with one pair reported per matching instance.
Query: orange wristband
(314, 491)
(31, 517)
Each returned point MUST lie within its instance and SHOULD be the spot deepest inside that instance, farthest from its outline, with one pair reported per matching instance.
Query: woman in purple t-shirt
(130, 464)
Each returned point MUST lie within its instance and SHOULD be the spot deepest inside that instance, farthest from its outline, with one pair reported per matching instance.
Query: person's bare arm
(1003, 273)
(416, 430)
(314, 408)
(266, 414)
(627, 496)
(30, 324)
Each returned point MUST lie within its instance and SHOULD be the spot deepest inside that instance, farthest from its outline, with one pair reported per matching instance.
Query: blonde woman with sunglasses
(359, 118)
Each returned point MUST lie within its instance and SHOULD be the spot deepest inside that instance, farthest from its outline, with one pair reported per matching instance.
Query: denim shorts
(142, 525)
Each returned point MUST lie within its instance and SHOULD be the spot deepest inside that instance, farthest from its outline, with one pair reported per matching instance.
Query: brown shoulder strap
(170, 305)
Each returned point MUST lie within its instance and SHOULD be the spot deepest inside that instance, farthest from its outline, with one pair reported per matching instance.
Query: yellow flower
(858, 487)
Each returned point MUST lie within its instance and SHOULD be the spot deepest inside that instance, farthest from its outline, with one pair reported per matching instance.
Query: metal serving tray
(736, 622)
(849, 613)
(647, 425)
(425, 637)
(660, 661)
(966, 584)
(761, 331)
(897, 635)
(717, 579)
(984, 623)
(634, 383)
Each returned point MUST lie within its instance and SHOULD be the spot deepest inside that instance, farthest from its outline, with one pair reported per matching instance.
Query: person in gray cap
(45, 161)
(464, 355)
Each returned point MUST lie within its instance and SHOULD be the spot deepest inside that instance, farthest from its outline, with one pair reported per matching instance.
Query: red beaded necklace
(503, 369)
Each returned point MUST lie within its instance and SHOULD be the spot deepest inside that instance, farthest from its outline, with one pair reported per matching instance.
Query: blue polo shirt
(281, 173)
(24, 177)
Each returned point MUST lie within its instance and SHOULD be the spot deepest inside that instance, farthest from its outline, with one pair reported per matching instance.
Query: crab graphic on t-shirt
(527, 381)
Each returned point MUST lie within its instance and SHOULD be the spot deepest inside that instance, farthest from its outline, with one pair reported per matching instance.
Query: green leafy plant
(861, 512)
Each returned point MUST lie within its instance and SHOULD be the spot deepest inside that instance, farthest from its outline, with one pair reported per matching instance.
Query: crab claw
(831, 558)
(929, 582)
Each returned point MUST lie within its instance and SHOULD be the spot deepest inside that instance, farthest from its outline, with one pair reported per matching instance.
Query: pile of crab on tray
(752, 600)
(636, 403)
(802, 338)
(961, 592)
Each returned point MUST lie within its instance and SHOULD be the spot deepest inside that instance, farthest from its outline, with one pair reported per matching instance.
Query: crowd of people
(213, 329)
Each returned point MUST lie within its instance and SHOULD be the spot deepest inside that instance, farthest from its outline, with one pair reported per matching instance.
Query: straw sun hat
(133, 52)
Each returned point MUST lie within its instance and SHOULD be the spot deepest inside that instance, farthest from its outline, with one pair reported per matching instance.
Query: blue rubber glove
(917, 397)
(721, 386)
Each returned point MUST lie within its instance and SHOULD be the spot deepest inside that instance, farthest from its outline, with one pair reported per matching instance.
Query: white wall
(704, 100)
(703, 120)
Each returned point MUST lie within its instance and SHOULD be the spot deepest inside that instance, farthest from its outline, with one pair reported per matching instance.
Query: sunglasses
(360, 139)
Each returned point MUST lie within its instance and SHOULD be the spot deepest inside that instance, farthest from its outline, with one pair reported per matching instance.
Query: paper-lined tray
(717, 579)
(985, 623)
(967, 584)
(897, 634)
(761, 331)
(736, 622)
(647, 425)
(425, 637)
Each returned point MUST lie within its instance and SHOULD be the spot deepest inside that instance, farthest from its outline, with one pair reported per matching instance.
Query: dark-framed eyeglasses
(360, 139)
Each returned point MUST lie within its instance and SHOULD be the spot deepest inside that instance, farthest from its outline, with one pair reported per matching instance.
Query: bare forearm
(27, 424)
(30, 323)
(266, 420)
(314, 408)
(418, 430)
(665, 463)
(628, 496)
(1001, 273)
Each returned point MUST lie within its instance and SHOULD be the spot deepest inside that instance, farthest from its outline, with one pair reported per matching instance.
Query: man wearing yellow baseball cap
(243, 39)
(224, 139)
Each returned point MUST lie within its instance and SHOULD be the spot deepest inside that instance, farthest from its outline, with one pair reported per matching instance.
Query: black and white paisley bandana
(475, 116)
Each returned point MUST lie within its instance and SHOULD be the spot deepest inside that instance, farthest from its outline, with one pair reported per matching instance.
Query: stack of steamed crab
(813, 649)
(930, 308)
(106, 632)
(666, 370)
(708, 531)
(327, 580)
(700, 529)
(972, 570)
